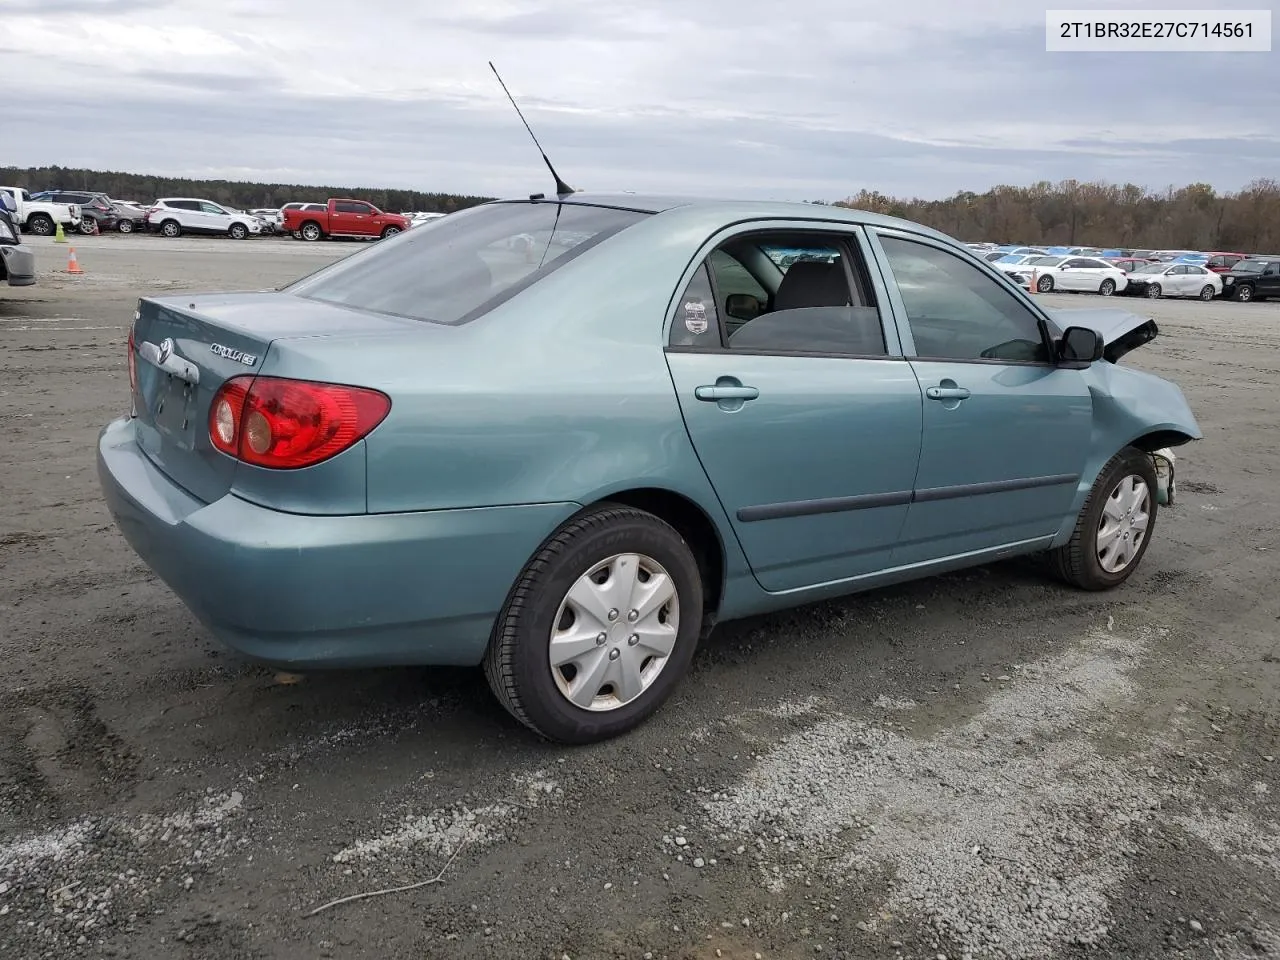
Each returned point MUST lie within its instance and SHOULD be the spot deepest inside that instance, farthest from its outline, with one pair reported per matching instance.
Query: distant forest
(243, 195)
(1194, 217)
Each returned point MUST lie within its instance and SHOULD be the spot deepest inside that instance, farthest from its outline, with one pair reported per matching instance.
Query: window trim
(848, 234)
(1049, 332)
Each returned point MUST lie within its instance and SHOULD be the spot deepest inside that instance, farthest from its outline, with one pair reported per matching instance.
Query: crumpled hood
(1122, 331)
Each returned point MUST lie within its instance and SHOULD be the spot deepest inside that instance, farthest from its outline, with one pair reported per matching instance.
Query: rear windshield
(452, 269)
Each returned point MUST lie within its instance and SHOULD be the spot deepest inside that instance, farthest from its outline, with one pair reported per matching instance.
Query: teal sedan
(563, 438)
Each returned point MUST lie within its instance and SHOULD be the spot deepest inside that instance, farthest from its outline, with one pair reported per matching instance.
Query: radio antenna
(562, 188)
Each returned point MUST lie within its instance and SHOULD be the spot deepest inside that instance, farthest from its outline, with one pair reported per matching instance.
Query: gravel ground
(985, 764)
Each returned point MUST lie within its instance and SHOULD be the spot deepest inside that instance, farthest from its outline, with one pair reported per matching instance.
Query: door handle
(947, 393)
(718, 392)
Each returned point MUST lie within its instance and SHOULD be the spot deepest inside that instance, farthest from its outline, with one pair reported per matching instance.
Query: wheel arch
(693, 523)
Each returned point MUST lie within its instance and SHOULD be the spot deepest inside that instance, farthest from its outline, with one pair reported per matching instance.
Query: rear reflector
(286, 424)
(133, 365)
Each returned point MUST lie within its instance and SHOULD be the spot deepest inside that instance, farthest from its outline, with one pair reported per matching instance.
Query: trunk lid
(188, 346)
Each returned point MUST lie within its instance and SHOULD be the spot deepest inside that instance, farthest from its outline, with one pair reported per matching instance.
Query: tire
(1154, 291)
(609, 539)
(171, 228)
(1108, 287)
(125, 226)
(41, 224)
(311, 231)
(390, 232)
(1207, 292)
(86, 227)
(1079, 561)
(238, 231)
(1045, 284)
(1243, 293)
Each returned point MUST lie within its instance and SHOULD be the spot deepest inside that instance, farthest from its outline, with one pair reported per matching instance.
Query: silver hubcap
(1123, 526)
(614, 632)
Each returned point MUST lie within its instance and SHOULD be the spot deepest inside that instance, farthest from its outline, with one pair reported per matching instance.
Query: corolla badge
(248, 359)
(166, 349)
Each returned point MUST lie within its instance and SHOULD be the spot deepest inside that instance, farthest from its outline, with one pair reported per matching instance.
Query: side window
(697, 323)
(795, 293)
(350, 206)
(1217, 262)
(1272, 269)
(211, 208)
(1078, 262)
(957, 312)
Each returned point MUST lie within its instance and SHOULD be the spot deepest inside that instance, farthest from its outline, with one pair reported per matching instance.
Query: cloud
(727, 96)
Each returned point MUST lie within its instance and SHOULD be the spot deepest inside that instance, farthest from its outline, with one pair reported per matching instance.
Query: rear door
(797, 399)
(1006, 433)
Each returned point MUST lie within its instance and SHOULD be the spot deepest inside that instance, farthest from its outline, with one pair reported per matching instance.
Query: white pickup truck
(40, 217)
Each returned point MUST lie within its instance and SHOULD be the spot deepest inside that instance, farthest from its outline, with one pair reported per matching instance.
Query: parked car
(1254, 279)
(1127, 264)
(176, 216)
(97, 212)
(131, 217)
(1012, 263)
(42, 217)
(271, 218)
(1076, 274)
(17, 263)
(1173, 279)
(589, 527)
(344, 218)
(1223, 262)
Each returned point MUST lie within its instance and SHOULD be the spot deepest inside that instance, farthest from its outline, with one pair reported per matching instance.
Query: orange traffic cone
(96, 231)
(1035, 278)
(73, 265)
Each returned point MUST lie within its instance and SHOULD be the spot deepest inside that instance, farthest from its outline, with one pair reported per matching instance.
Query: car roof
(735, 210)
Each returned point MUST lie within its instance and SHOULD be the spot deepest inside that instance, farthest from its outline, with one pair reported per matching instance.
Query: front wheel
(1207, 292)
(238, 231)
(1154, 291)
(1108, 288)
(1045, 284)
(599, 628)
(390, 232)
(1244, 293)
(1114, 527)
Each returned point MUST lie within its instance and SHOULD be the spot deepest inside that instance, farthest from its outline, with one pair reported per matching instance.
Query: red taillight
(133, 364)
(284, 424)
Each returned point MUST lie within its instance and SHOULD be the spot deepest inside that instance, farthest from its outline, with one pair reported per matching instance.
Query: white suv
(176, 216)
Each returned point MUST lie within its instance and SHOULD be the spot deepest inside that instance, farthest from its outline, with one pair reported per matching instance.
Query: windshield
(1044, 261)
(1151, 268)
(452, 269)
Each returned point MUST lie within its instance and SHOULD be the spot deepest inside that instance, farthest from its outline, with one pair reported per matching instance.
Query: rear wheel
(311, 231)
(41, 224)
(238, 231)
(87, 227)
(171, 228)
(1108, 287)
(1114, 527)
(599, 628)
(125, 226)
(1244, 293)
(1154, 291)
(1207, 292)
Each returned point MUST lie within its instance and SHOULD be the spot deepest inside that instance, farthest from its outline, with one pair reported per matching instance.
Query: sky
(801, 101)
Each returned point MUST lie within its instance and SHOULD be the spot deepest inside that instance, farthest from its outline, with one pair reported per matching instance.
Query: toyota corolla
(567, 458)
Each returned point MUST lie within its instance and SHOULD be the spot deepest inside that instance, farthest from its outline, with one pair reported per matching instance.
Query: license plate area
(173, 410)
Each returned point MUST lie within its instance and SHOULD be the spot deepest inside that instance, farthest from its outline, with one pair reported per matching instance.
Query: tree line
(1193, 217)
(1097, 214)
(243, 195)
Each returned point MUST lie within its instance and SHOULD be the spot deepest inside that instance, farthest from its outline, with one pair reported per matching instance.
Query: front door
(1005, 432)
(805, 417)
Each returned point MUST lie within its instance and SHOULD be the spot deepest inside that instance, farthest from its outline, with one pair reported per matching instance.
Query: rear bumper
(309, 591)
(19, 265)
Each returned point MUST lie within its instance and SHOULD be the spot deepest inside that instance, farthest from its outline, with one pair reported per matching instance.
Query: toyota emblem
(166, 349)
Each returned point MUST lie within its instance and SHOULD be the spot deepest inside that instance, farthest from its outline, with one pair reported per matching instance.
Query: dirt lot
(984, 764)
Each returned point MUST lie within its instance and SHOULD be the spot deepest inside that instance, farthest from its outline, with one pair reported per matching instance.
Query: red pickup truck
(343, 218)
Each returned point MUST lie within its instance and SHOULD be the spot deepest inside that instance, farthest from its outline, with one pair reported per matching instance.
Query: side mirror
(742, 306)
(1079, 347)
